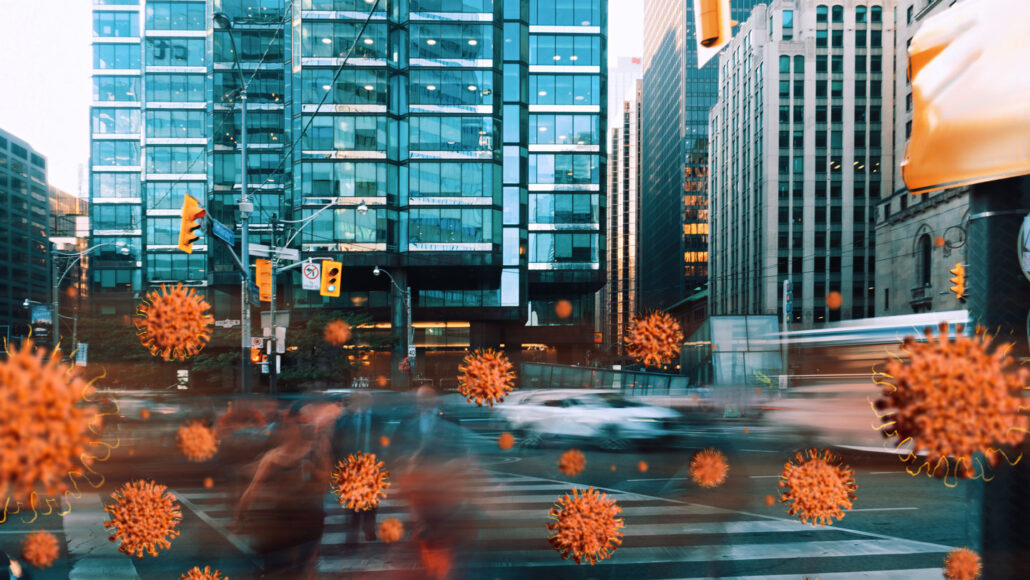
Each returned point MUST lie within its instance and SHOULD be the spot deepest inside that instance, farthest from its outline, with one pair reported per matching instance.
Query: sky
(45, 64)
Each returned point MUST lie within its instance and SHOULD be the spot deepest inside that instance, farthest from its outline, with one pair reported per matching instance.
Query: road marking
(920, 574)
(759, 450)
(91, 553)
(894, 509)
(232, 538)
(661, 479)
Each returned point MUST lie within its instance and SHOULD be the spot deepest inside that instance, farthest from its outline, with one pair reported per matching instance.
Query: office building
(24, 248)
(919, 237)
(674, 200)
(461, 142)
(622, 290)
(801, 151)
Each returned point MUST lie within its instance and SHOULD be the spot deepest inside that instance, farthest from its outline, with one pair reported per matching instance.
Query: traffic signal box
(191, 214)
(958, 280)
(330, 278)
(715, 23)
(263, 279)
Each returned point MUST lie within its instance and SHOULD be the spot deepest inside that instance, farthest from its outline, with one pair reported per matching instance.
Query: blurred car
(604, 418)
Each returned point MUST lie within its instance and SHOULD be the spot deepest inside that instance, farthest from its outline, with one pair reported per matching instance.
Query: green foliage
(315, 362)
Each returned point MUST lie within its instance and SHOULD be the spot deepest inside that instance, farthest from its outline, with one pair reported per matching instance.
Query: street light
(363, 209)
(409, 333)
(246, 207)
(55, 315)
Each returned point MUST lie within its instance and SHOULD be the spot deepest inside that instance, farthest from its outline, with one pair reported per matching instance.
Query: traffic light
(256, 356)
(713, 27)
(959, 280)
(263, 279)
(191, 212)
(330, 278)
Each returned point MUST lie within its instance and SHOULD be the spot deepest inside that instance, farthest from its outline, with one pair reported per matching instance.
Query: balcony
(922, 298)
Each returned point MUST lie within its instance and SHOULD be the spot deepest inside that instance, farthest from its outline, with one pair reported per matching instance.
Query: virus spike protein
(952, 399)
(962, 564)
(818, 488)
(337, 333)
(196, 573)
(197, 441)
(709, 468)
(654, 339)
(360, 482)
(144, 518)
(585, 526)
(44, 429)
(174, 324)
(40, 549)
(572, 462)
(486, 377)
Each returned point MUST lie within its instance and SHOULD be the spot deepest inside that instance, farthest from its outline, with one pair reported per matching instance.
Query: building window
(821, 12)
(115, 24)
(788, 24)
(175, 15)
(908, 14)
(176, 52)
(886, 298)
(860, 12)
(838, 13)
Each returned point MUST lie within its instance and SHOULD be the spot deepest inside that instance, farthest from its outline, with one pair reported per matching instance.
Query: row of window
(120, 153)
(564, 208)
(451, 87)
(345, 179)
(116, 217)
(115, 24)
(557, 248)
(252, 44)
(564, 129)
(107, 88)
(567, 50)
(547, 168)
(447, 41)
(565, 12)
(822, 13)
(451, 225)
(116, 56)
(173, 88)
(176, 52)
(335, 39)
(451, 133)
(561, 89)
(353, 87)
(345, 225)
(835, 38)
(427, 179)
(366, 133)
(175, 15)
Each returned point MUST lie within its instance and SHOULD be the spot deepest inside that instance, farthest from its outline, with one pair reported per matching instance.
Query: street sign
(182, 377)
(256, 342)
(222, 232)
(310, 276)
(411, 351)
(227, 323)
(81, 354)
(254, 296)
(282, 318)
(263, 251)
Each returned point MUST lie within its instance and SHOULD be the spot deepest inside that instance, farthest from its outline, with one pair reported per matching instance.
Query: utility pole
(273, 387)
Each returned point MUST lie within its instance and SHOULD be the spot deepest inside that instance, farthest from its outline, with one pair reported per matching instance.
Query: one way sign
(311, 276)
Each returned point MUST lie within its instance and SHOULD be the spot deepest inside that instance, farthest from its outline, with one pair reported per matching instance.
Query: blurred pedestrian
(283, 505)
(359, 430)
(10, 568)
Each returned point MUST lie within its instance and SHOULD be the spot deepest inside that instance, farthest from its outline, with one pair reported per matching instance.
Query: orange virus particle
(40, 549)
(337, 333)
(384, 441)
(144, 518)
(209, 483)
(563, 309)
(572, 462)
(586, 526)
(486, 377)
(360, 482)
(436, 562)
(817, 487)
(939, 241)
(834, 300)
(654, 339)
(196, 573)
(144, 414)
(770, 500)
(708, 468)
(44, 427)
(506, 441)
(613, 468)
(642, 466)
(391, 530)
(174, 324)
(962, 564)
(952, 399)
(197, 441)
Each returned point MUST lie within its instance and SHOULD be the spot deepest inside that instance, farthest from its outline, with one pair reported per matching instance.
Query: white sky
(46, 60)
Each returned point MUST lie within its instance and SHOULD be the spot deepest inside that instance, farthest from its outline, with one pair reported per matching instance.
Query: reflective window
(563, 169)
(125, 280)
(116, 56)
(175, 88)
(352, 5)
(451, 87)
(184, 124)
(821, 12)
(263, 127)
(451, 133)
(345, 225)
(344, 179)
(450, 225)
(116, 185)
(175, 159)
(176, 267)
(266, 86)
(176, 52)
(788, 24)
(860, 12)
(564, 129)
(162, 231)
(565, 12)
(354, 87)
(334, 39)
(175, 15)
(837, 13)
(169, 195)
(345, 133)
(116, 24)
(116, 217)
(562, 247)
(564, 90)
(115, 153)
(450, 179)
(564, 208)
(252, 44)
(115, 120)
(116, 88)
(876, 13)
(567, 50)
(448, 41)
(479, 6)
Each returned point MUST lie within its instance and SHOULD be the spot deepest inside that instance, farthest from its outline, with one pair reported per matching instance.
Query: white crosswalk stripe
(663, 538)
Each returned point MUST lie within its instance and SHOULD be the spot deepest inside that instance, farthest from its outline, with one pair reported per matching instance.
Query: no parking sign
(311, 276)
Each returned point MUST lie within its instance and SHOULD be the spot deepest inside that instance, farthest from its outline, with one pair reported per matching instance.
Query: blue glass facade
(471, 129)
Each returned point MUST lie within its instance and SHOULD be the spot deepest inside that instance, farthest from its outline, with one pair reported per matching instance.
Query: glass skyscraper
(472, 130)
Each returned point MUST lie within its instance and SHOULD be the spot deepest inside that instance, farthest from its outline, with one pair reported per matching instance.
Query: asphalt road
(901, 526)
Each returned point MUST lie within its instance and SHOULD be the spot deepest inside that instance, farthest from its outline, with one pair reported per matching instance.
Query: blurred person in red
(283, 505)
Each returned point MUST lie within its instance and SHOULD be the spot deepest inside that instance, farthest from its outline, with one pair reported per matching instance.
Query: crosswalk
(663, 539)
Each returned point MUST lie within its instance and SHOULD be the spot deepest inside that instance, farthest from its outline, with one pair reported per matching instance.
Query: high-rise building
(459, 141)
(801, 150)
(69, 233)
(674, 200)
(621, 291)
(918, 237)
(24, 246)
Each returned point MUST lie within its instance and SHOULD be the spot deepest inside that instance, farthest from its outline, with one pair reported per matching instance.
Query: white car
(605, 418)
